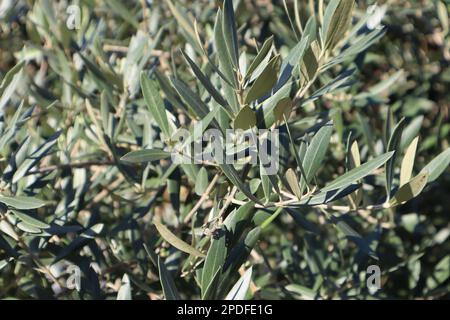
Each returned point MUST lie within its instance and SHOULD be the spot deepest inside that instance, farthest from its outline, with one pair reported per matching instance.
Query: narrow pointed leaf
(229, 31)
(22, 202)
(206, 82)
(410, 190)
(393, 145)
(175, 241)
(202, 181)
(358, 173)
(148, 155)
(408, 162)
(437, 166)
(30, 220)
(315, 153)
(124, 292)
(293, 182)
(336, 25)
(168, 285)
(214, 260)
(241, 287)
(265, 82)
(155, 104)
(263, 53)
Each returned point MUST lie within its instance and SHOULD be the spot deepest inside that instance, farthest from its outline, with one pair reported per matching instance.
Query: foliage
(90, 118)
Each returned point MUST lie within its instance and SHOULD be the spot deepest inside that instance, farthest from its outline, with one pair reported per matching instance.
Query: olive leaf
(410, 190)
(175, 241)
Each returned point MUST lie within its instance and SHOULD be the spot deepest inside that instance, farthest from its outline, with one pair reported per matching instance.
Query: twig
(202, 199)
(228, 202)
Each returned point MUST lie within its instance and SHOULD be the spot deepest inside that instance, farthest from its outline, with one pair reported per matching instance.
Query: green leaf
(124, 292)
(214, 260)
(358, 173)
(315, 153)
(291, 178)
(408, 162)
(265, 82)
(206, 82)
(283, 109)
(10, 83)
(229, 32)
(240, 252)
(355, 161)
(27, 228)
(35, 156)
(292, 61)
(30, 220)
(10, 75)
(168, 285)
(186, 25)
(123, 12)
(225, 63)
(443, 14)
(409, 190)
(440, 274)
(437, 166)
(239, 290)
(175, 241)
(104, 111)
(245, 119)
(263, 54)
(147, 155)
(233, 176)
(202, 181)
(22, 202)
(195, 103)
(155, 104)
(83, 239)
(393, 145)
(303, 292)
(265, 181)
(210, 292)
(265, 113)
(336, 21)
(411, 131)
(238, 220)
(7, 228)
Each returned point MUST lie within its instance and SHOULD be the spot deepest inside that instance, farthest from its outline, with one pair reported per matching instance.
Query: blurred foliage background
(100, 210)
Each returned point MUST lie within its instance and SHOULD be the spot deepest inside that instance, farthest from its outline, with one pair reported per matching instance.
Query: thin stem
(271, 218)
(202, 199)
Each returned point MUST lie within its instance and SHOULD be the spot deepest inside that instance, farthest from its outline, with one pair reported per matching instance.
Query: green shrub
(102, 196)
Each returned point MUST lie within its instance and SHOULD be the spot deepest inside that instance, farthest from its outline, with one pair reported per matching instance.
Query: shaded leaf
(168, 285)
(265, 82)
(245, 119)
(175, 241)
(214, 260)
(145, 155)
(410, 190)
